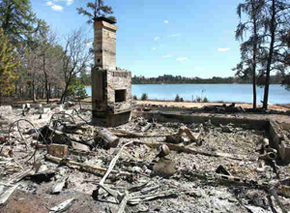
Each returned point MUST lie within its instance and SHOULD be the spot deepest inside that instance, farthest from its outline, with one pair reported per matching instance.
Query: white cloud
(89, 44)
(181, 58)
(154, 48)
(69, 2)
(175, 35)
(49, 3)
(57, 7)
(166, 56)
(156, 38)
(223, 49)
(199, 68)
(166, 21)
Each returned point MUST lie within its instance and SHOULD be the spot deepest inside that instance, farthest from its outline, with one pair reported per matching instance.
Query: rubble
(144, 165)
(4, 110)
(106, 139)
(57, 188)
(57, 150)
(164, 167)
(6, 194)
(62, 207)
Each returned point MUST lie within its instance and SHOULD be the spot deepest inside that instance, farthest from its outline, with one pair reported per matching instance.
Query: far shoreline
(197, 84)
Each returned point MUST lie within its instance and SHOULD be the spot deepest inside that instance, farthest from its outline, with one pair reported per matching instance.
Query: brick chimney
(105, 43)
(111, 87)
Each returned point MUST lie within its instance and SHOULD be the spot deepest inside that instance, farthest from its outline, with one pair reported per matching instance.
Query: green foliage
(78, 59)
(266, 26)
(80, 91)
(251, 49)
(135, 97)
(19, 22)
(99, 10)
(286, 82)
(177, 98)
(200, 99)
(8, 65)
(170, 79)
(113, 18)
(77, 90)
(276, 26)
(85, 78)
(144, 97)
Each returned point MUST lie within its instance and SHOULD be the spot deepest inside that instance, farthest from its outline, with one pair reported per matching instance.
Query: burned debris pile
(54, 153)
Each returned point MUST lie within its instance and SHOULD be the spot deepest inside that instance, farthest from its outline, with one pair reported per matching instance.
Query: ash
(210, 168)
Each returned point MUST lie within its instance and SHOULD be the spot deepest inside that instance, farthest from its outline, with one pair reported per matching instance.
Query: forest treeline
(38, 63)
(170, 79)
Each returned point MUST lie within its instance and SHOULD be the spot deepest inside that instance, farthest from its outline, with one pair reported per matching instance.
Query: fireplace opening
(120, 95)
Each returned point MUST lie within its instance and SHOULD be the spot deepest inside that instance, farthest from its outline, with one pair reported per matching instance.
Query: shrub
(198, 98)
(205, 100)
(135, 97)
(77, 90)
(181, 100)
(144, 97)
(177, 99)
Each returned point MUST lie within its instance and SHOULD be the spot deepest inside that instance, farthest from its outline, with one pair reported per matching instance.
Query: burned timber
(217, 162)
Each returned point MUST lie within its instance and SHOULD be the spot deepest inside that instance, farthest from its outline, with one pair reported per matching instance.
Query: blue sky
(155, 37)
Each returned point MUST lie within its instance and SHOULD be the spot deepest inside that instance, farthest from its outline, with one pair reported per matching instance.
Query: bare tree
(46, 48)
(43, 64)
(76, 57)
(56, 80)
(32, 65)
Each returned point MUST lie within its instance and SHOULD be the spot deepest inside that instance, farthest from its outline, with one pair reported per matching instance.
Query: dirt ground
(187, 104)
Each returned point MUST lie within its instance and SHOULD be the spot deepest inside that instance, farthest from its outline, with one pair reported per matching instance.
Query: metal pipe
(268, 156)
(271, 150)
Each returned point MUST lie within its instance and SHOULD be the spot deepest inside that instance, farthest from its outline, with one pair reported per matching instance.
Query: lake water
(213, 92)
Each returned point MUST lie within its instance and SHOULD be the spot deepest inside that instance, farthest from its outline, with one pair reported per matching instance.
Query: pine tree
(277, 26)
(99, 10)
(144, 97)
(177, 98)
(250, 49)
(18, 21)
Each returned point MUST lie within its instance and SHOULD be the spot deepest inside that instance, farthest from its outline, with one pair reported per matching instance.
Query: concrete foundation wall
(279, 141)
(216, 120)
(276, 137)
